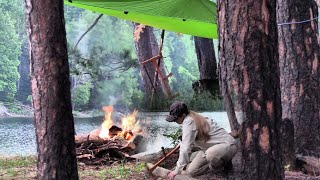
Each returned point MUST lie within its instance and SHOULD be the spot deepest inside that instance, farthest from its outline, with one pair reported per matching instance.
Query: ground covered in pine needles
(25, 168)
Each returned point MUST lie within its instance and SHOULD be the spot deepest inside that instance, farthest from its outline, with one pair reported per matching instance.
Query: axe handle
(162, 159)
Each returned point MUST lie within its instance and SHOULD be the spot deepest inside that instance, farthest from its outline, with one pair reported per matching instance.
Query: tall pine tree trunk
(209, 77)
(147, 47)
(207, 65)
(51, 90)
(249, 65)
(300, 72)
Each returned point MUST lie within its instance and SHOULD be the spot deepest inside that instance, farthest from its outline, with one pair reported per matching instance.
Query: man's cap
(176, 110)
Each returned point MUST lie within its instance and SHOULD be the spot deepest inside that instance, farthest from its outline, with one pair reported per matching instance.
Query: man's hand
(171, 175)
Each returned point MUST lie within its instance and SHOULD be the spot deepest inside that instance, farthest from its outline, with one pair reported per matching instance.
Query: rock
(4, 112)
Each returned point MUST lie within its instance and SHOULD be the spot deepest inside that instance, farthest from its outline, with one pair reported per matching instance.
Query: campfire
(129, 126)
(115, 140)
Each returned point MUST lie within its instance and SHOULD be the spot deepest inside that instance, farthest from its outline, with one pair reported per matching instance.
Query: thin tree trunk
(206, 59)
(300, 72)
(51, 90)
(147, 47)
(249, 64)
(207, 65)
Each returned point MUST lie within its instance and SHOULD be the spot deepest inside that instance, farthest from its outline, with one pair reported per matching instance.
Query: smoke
(155, 144)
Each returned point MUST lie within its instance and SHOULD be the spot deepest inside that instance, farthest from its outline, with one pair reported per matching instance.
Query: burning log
(93, 150)
(110, 143)
(93, 136)
(106, 151)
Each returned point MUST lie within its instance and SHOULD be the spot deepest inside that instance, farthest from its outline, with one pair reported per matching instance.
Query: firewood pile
(93, 150)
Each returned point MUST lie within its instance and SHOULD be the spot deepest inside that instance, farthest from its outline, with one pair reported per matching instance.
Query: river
(17, 134)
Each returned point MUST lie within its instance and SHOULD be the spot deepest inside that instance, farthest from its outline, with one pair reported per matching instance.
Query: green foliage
(206, 102)
(110, 62)
(18, 108)
(81, 94)
(29, 99)
(16, 10)
(9, 50)
(181, 60)
(140, 167)
(123, 90)
(107, 58)
(104, 63)
(175, 137)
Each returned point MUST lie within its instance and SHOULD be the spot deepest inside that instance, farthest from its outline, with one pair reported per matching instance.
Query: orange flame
(107, 123)
(130, 125)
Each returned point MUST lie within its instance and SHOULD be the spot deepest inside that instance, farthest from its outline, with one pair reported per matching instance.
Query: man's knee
(218, 154)
(195, 165)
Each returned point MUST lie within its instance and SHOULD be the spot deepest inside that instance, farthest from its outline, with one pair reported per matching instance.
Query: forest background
(104, 64)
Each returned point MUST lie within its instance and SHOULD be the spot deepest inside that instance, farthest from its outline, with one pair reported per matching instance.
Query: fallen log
(105, 153)
(309, 164)
(166, 156)
(94, 135)
(91, 136)
(99, 151)
(163, 173)
(154, 157)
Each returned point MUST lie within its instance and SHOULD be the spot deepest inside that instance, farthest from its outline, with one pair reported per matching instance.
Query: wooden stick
(163, 151)
(162, 159)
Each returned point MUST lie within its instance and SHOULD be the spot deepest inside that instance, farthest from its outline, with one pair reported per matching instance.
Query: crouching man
(217, 146)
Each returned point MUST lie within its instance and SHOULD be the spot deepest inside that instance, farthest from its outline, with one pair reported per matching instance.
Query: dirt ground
(234, 174)
(132, 170)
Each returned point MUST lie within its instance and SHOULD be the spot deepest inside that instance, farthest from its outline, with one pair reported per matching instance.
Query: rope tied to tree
(299, 22)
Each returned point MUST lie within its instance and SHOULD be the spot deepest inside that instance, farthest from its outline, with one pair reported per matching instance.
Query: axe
(150, 170)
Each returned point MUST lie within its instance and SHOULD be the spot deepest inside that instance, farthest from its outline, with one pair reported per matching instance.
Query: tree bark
(207, 65)
(249, 66)
(51, 90)
(206, 59)
(147, 47)
(287, 143)
(300, 72)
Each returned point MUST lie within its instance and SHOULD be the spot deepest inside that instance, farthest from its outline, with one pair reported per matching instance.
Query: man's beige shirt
(189, 133)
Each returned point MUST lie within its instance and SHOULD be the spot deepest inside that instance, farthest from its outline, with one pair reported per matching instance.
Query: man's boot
(227, 167)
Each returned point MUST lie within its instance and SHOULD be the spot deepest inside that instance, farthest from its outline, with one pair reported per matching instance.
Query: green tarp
(194, 17)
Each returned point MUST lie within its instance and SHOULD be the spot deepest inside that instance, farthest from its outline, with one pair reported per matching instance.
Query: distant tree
(16, 11)
(206, 89)
(180, 58)
(81, 95)
(207, 65)
(10, 50)
(24, 85)
(249, 63)
(112, 69)
(147, 47)
(51, 90)
(300, 72)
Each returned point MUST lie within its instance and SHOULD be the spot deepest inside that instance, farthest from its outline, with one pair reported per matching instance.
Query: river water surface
(17, 135)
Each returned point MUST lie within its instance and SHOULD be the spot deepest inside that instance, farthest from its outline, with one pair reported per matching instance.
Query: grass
(18, 167)
(26, 168)
(20, 161)
(120, 171)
